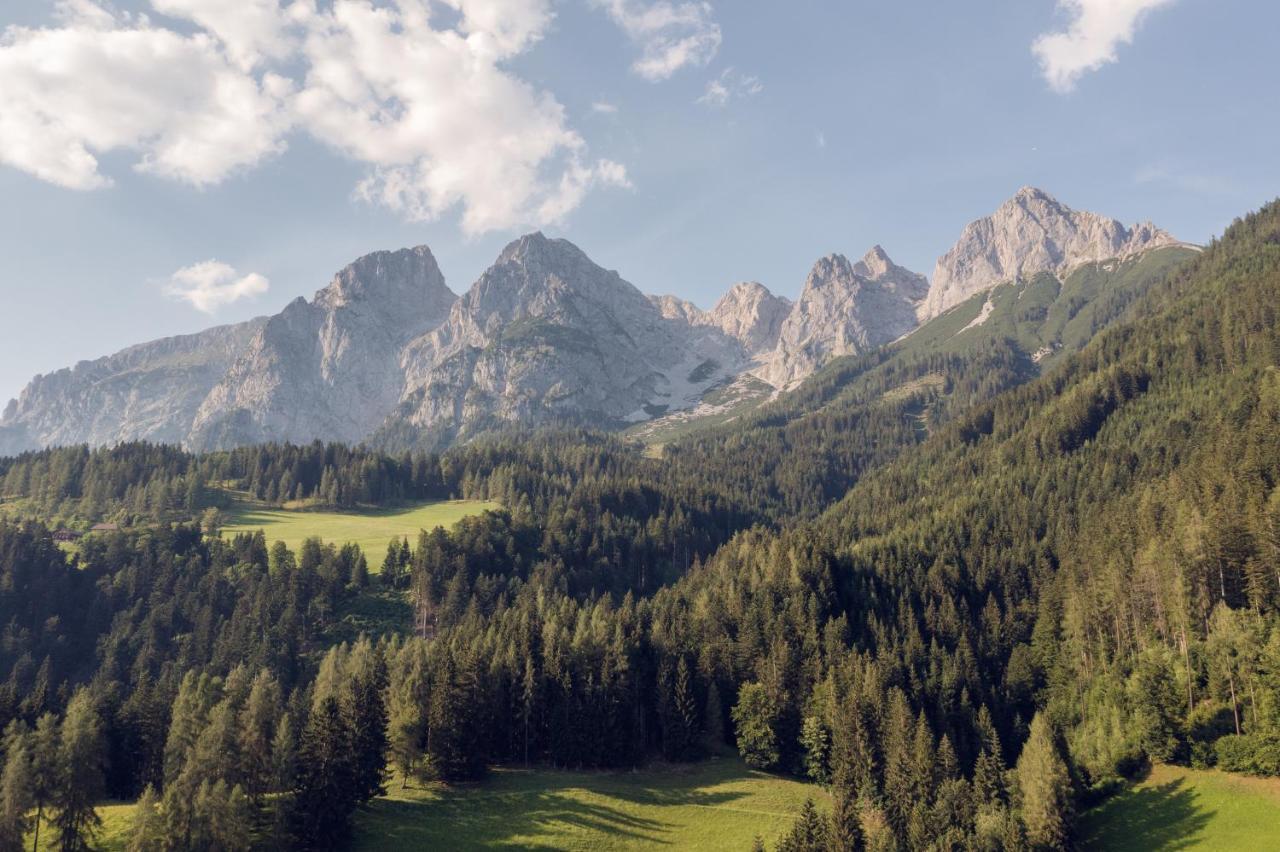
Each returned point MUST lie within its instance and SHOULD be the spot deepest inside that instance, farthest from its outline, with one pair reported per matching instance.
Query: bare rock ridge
(328, 368)
(150, 391)
(546, 334)
(845, 308)
(386, 353)
(1031, 232)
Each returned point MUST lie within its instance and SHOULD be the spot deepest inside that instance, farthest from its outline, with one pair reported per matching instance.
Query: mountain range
(388, 354)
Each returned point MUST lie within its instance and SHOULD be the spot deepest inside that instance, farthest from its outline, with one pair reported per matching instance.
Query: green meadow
(716, 804)
(372, 529)
(1178, 808)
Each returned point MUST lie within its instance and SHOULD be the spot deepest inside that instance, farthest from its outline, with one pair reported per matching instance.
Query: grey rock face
(1031, 232)
(845, 308)
(146, 392)
(752, 315)
(328, 369)
(547, 334)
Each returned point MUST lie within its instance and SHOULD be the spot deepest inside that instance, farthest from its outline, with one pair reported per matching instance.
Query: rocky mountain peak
(1029, 233)
(385, 277)
(874, 263)
(751, 314)
(844, 308)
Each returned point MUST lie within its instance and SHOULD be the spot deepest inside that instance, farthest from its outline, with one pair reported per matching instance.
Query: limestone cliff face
(151, 391)
(752, 315)
(1031, 232)
(328, 368)
(547, 335)
(845, 308)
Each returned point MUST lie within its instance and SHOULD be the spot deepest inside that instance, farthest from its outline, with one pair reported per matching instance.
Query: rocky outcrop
(547, 335)
(1031, 232)
(329, 368)
(752, 315)
(845, 308)
(151, 392)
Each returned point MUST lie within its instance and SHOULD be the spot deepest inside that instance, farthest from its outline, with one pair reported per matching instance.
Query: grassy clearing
(117, 823)
(717, 804)
(1177, 808)
(369, 528)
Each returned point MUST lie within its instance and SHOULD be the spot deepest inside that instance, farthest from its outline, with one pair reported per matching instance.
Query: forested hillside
(964, 593)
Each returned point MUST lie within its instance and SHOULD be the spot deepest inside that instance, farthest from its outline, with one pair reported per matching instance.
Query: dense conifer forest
(969, 606)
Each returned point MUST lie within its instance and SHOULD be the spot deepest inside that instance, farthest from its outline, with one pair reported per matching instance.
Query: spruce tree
(810, 833)
(1046, 788)
(753, 717)
(17, 784)
(326, 789)
(80, 782)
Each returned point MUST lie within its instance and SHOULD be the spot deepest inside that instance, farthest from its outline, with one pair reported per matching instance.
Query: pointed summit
(844, 308)
(1029, 233)
(751, 314)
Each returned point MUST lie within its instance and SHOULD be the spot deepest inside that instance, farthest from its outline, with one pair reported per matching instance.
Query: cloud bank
(1096, 31)
(416, 90)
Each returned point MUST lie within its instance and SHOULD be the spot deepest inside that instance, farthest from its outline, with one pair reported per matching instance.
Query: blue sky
(166, 166)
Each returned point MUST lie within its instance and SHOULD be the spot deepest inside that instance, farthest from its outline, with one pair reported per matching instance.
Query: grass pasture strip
(371, 529)
(718, 804)
(1178, 808)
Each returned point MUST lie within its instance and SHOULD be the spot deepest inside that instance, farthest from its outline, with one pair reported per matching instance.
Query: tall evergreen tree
(80, 777)
(1046, 788)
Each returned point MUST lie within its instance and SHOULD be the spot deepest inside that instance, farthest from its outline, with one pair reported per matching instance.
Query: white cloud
(730, 85)
(1097, 29)
(604, 108)
(212, 284)
(427, 105)
(671, 35)
(70, 93)
(821, 139)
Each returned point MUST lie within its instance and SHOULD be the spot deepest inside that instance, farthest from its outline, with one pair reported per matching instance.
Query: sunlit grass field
(713, 805)
(372, 529)
(1178, 808)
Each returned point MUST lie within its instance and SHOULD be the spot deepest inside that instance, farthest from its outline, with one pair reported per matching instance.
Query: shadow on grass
(1163, 817)
(554, 812)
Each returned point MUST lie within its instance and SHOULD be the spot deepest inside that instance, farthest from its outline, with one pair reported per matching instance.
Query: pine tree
(147, 833)
(713, 718)
(366, 711)
(326, 790)
(17, 784)
(846, 825)
(80, 781)
(46, 747)
(1046, 788)
(815, 740)
(810, 832)
(753, 717)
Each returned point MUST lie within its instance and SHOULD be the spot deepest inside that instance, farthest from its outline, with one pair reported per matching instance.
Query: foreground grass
(371, 529)
(717, 804)
(1178, 808)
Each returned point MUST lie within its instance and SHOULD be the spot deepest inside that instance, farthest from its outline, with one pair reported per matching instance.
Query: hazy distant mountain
(387, 353)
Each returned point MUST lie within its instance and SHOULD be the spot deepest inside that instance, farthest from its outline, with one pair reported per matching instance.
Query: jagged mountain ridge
(388, 353)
